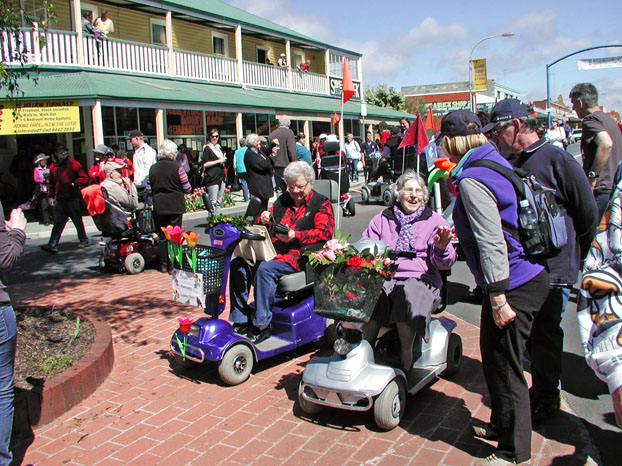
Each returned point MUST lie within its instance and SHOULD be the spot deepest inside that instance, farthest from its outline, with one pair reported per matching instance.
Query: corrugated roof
(229, 12)
(171, 92)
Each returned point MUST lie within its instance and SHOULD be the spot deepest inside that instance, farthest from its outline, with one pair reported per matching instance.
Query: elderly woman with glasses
(515, 287)
(213, 163)
(407, 299)
(310, 219)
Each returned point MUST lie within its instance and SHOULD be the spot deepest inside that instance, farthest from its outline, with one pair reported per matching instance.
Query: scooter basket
(210, 264)
(346, 293)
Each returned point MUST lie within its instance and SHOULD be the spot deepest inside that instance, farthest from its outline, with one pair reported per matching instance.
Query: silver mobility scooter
(351, 379)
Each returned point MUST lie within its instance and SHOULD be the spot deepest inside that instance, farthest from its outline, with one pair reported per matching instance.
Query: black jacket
(287, 152)
(168, 192)
(259, 170)
(558, 170)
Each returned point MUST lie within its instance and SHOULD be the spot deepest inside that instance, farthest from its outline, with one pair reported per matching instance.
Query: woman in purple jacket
(407, 299)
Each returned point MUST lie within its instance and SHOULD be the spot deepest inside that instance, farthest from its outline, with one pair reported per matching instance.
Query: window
(299, 59)
(336, 65)
(158, 31)
(262, 55)
(220, 44)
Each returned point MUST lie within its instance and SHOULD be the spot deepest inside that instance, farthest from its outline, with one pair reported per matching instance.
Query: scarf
(405, 235)
(455, 172)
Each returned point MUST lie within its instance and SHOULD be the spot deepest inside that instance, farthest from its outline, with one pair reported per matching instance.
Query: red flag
(347, 89)
(335, 118)
(429, 120)
(415, 135)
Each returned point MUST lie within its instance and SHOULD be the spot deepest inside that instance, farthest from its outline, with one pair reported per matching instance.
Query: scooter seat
(291, 283)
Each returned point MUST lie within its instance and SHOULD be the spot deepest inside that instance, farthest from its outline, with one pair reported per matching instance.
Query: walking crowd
(523, 297)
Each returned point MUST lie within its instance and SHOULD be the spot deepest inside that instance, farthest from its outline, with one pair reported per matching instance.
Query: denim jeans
(354, 169)
(215, 192)
(65, 209)
(546, 345)
(264, 277)
(8, 340)
(602, 200)
(244, 183)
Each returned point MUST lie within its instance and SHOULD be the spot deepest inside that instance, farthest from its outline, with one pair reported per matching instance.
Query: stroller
(133, 242)
(330, 171)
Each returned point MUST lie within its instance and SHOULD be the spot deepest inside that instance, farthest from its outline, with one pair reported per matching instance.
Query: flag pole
(341, 149)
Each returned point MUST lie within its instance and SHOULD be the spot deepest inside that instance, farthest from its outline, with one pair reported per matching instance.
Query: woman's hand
(17, 221)
(442, 237)
(289, 237)
(265, 217)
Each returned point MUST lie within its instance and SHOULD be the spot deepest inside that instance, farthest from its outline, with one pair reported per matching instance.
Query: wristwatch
(591, 174)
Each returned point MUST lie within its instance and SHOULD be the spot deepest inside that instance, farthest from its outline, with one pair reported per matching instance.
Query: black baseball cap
(136, 133)
(505, 110)
(456, 124)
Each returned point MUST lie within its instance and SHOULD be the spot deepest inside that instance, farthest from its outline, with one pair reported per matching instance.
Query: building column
(288, 56)
(169, 42)
(238, 53)
(306, 127)
(160, 135)
(88, 136)
(98, 123)
(359, 69)
(77, 26)
(327, 70)
(239, 131)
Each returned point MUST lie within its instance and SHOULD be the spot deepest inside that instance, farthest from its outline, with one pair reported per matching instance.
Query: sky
(414, 42)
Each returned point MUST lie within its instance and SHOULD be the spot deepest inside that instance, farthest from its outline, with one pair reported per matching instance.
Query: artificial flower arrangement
(348, 281)
(237, 221)
(176, 250)
(184, 327)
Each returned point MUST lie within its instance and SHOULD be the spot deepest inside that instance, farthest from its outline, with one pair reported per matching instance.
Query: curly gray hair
(295, 169)
(408, 175)
(167, 150)
(251, 139)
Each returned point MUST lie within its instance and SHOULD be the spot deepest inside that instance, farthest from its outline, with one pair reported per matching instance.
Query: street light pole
(505, 34)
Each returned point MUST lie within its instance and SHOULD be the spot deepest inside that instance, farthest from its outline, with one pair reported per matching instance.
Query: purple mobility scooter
(211, 339)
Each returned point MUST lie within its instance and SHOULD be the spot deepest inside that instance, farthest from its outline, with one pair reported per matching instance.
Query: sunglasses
(215, 136)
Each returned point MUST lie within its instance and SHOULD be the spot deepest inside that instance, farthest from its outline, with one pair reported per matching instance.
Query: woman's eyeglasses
(215, 136)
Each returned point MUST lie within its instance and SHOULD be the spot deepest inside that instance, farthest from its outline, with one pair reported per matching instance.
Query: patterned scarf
(406, 234)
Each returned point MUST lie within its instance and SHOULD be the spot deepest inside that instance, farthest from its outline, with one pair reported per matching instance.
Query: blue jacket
(238, 160)
(522, 269)
(558, 170)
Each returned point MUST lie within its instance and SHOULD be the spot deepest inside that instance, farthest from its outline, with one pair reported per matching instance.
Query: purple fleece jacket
(430, 259)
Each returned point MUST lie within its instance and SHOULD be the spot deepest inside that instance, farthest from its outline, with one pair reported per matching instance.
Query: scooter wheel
(390, 405)
(236, 365)
(365, 194)
(134, 263)
(386, 197)
(454, 354)
(307, 407)
(351, 207)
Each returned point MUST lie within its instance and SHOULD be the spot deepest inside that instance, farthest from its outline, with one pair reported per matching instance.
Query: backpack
(112, 220)
(551, 235)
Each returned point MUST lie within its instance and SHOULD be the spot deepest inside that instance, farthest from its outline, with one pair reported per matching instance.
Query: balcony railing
(60, 48)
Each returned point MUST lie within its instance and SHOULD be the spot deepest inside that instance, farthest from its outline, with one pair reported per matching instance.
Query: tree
(16, 62)
(416, 106)
(382, 95)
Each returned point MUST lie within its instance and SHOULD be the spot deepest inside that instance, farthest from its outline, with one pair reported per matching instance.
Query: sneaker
(49, 248)
(83, 244)
(257, 335)
(494, 460)
(484, 431)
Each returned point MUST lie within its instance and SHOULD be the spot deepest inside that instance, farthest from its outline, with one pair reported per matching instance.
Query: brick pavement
(149, 412)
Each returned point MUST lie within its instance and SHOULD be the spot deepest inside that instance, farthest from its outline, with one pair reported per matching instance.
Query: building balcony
(59, 49)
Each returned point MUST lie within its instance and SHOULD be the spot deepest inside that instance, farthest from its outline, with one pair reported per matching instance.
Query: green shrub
(56, 363)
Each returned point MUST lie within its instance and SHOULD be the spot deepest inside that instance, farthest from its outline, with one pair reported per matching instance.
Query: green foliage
(227, 201)
(13, 17)
(56, 363)
(237, 221)
(382, 95)
(415, 105)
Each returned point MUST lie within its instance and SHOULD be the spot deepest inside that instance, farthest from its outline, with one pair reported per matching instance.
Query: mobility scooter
(352, 380)
(389, 170)
(213, 340)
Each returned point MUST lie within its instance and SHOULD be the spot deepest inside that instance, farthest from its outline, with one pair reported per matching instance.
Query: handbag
(146, 224)
(253, 251)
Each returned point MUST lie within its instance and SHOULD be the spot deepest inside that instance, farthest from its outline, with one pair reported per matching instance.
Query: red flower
(368, 262)
(358, 285)
(184, 324)
(350, 295)
(355, 261)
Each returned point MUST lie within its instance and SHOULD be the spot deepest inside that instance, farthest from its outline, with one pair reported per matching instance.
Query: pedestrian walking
(213, 161)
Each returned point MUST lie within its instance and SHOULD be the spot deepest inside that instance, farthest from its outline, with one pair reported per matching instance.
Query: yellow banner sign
(479, 75)
(39, 117)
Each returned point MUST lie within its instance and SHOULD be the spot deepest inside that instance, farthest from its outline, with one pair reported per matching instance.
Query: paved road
(587, 396)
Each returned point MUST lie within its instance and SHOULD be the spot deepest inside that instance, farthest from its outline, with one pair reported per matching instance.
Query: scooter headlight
(194, 331)
(341, 346)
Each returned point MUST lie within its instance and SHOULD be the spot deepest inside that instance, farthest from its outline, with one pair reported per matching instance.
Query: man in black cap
(514, 129)
(144, 157)
(104, 24)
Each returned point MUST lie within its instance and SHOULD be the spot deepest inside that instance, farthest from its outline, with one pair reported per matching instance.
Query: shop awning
(171, 93)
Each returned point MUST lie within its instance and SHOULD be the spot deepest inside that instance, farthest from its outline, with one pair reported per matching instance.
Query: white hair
(167, 150)
(284, 120)
(295, 169)
(409, 175)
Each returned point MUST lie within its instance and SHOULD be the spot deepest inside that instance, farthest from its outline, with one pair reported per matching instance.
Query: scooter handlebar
(251, 236)
(396, 254)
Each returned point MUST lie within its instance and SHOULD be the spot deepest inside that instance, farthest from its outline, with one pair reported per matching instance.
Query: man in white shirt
(104, 24)
(353, 155)
(144, 156)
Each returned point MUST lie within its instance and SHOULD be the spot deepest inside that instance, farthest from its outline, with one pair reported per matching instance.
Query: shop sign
(337, 83)
(39, 117)
(183, 122)
(443, 108)
(479, 75)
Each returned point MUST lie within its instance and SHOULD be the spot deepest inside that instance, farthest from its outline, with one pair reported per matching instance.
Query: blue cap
(456, 124)
(505, 110)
